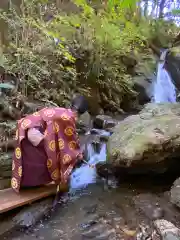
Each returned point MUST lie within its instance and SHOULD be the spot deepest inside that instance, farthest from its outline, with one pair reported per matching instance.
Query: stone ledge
(26, 217)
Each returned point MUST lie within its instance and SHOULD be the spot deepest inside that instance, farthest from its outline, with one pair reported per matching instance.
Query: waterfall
(164, 89)
(85, 175)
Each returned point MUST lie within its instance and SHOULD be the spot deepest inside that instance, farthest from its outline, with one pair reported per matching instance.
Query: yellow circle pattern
(14, 183)
(55, 174)
(65, 117)
(49, 163)
(25, 123)
(72, 145)
(66, 159)
(61, 143)
(56, 127)
(18, 153)
(52, 145)
(49, 112)
(20, 171)
(69, 131)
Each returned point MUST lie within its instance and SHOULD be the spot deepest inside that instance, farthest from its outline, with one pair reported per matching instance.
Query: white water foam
(85, 175)
(164, 89)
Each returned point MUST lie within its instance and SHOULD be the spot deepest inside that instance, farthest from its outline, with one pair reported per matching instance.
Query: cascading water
(164, 89)
(85, 175)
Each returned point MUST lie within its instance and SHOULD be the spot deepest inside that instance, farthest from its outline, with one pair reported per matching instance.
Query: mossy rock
(150, 137)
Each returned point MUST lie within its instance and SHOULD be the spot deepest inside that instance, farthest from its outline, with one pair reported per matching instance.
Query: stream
(97, 208)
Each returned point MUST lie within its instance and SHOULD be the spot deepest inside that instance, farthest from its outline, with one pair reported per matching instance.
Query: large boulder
(150, 138)
(172, 65)
(144, 78)
(175, 193)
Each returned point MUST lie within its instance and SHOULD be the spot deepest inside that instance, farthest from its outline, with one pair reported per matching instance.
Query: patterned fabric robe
(61, 143)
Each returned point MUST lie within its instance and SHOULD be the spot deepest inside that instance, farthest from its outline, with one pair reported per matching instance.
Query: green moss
(146, 140)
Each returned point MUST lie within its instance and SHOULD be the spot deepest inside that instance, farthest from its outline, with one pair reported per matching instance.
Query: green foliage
(95, 49)
(162, 32)
(176, 12)
(34, 56)
(102, 41)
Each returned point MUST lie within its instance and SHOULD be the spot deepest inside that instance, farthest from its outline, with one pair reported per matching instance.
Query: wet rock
(108, 234)
(157, 213)
(91, 209)
(104, 138)
(175, 193)
(167, 230)
(30, 107)
(144, 232)
(144, 78)
(103, 135)
(88, 224)
(29, 216)
(93, 231)
(95, 131)
(150, 137)
(155, 207)
(99, 231)
(96, 145)
(143, 86)
(84, 123)
(24, 218)
(85, 120)
(104, 122)
(104, 170)
(172, 65)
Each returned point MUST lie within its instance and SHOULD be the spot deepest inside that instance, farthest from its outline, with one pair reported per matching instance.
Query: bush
(45, 69)
(96, 50)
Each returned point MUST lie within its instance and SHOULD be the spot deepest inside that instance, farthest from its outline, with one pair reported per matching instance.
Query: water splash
(85, 175)
(164, 89)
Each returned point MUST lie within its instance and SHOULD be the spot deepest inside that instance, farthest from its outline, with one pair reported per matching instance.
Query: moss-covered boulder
(148, 138)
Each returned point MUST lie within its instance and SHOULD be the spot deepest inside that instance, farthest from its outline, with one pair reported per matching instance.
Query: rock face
(173, 65)
(175, 193)
(30, 215)
(104, 122)
(25, 217)
(150, 138)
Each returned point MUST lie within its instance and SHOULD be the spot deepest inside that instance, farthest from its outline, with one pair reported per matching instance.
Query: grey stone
(175, 193)
(150, 137)
(104, 122)
(26, 217)
(33, 213)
